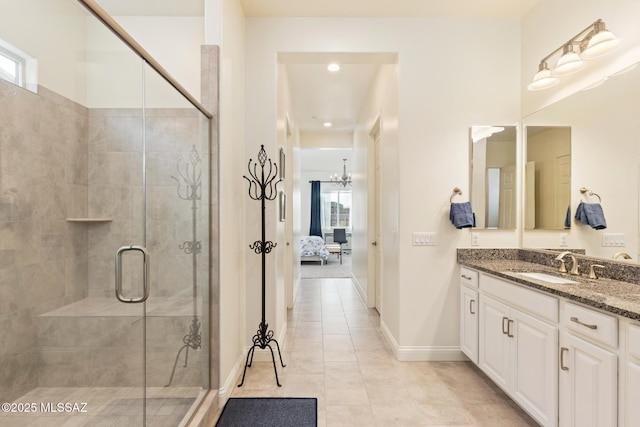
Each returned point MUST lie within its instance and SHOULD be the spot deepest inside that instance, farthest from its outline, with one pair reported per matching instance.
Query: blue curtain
(316, 225)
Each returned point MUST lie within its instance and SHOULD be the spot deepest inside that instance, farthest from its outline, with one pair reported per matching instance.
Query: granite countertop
(608, 294)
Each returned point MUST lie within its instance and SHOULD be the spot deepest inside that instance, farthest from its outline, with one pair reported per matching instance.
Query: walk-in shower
(104, 227)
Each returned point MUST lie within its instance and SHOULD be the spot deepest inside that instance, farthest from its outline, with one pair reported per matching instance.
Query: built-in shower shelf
(89, 219)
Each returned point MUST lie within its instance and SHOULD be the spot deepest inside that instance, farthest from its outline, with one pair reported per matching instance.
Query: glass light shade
(600, 44)
(543, 79)
(570, 62)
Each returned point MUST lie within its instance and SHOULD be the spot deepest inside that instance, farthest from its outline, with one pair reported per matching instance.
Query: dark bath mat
(270, 412)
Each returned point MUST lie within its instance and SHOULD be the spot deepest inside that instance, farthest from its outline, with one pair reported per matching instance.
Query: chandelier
(343, 180)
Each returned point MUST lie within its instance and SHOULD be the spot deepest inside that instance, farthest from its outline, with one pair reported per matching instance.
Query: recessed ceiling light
(333, 67)
(327, 124)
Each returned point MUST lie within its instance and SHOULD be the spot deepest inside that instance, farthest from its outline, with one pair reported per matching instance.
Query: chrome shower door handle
(145, 274)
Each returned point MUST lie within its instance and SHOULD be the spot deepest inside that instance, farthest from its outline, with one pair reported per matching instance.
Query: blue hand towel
(591, 214)
(461, 215)
(580, 216)
(567, 218)
(595, 215)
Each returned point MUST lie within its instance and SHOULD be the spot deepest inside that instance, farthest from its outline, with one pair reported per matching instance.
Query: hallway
(335, 351)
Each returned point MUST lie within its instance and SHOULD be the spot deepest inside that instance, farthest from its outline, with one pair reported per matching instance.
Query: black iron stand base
(262, 340)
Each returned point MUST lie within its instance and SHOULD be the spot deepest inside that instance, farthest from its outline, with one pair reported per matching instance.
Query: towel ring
(456, 192)
(590, 193)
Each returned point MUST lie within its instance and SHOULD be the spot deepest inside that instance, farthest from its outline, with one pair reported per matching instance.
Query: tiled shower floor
(117, 406)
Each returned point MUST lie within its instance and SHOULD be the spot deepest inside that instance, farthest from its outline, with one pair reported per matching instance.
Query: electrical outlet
(564, 239)
(475, 239)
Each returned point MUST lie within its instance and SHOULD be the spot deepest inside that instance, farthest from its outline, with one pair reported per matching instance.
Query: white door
(588, 384)
(494, 345)
(530, 196)
(508, 197)
(562, 193)
(377, 243)
(469, 323)
(535, 362)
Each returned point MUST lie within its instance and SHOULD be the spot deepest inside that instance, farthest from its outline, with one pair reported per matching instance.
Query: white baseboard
(421, 353)
(232, 380)
(358, 287)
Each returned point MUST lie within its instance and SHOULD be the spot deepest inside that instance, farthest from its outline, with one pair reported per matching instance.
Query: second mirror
(493, 176)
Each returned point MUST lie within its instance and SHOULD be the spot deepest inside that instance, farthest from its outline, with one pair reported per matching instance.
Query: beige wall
(228, 30)
(59, 23)
(382, 103)
(437, 104)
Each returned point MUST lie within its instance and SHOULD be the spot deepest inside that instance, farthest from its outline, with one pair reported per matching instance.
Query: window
(336, 209)
(11, 67)
(18, 67)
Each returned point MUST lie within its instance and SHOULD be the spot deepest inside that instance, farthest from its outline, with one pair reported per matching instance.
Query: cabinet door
(535, 367)
(469, 323)
(588, 384)
(494, 344)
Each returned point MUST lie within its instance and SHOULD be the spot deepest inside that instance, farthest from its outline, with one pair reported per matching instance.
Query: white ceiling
(331, 8)
(317, 95)
(387, 8)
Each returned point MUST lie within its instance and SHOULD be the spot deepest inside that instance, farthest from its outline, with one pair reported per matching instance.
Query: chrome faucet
(622, 254)
(574, 267)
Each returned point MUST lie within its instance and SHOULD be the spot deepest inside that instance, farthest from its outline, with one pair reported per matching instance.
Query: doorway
(333, 110)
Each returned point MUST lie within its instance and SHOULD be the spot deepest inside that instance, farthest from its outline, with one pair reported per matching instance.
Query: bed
(313, 248)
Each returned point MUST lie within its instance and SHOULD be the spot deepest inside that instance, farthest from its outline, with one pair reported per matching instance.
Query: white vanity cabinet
(566, 363)
(588, 384)
(632, 401)
(469, 313)
(518, 345)
(588, 369)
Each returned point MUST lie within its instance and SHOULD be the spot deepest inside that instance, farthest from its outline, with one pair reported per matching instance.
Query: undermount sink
(546, 278)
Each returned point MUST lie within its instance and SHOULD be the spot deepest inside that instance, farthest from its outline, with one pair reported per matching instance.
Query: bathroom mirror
(493, 176)
(603, 125)
(547, 177)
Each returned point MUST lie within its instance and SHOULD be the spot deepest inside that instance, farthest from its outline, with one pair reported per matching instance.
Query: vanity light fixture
(592, 42)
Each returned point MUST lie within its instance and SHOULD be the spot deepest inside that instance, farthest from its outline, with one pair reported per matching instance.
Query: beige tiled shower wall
(59, 159)
(43, 258)
(115, 191)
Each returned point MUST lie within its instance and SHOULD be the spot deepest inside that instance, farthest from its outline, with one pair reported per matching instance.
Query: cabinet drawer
(634, 341)
(468, 277)
(592, 324)
(540, 305)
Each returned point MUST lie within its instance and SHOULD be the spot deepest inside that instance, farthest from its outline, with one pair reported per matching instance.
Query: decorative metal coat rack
(262, 187)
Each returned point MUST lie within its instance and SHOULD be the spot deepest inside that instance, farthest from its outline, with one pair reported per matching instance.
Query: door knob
(374, 243)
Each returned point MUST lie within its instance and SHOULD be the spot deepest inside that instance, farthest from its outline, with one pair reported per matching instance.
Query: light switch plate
(613, 239)
(423, 238)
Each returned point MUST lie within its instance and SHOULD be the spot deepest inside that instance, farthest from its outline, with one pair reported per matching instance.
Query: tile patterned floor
(334, 351)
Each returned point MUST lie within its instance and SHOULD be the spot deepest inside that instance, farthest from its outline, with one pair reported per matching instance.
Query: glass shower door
(104, 172)
(176, 216)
